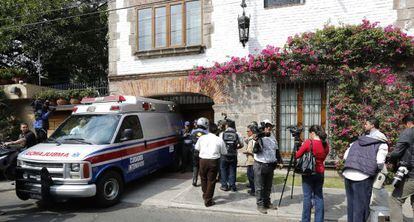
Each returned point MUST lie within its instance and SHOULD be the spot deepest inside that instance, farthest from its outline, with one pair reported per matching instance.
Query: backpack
(231, 139)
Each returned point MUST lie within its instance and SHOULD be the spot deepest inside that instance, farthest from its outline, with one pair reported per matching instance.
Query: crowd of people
(214, 150)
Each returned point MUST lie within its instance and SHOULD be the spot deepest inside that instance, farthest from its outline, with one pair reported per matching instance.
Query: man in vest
(363, 160)
(201, 129)
(403, 154)
(228, 162)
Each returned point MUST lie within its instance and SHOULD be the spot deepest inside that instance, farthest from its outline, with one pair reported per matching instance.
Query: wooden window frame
(299, 115)
(301, 2)
(168, 25)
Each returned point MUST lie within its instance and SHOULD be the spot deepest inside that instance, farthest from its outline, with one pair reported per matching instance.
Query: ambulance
(105, 143)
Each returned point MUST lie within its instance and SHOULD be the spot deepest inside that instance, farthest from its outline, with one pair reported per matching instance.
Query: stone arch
(169, 83)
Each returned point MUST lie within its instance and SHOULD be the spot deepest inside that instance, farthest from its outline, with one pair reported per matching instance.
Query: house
(153, 44)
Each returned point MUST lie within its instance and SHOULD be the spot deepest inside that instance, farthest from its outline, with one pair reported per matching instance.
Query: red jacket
(319, 151)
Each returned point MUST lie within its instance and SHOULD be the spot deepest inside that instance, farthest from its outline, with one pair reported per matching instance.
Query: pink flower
(390, 79)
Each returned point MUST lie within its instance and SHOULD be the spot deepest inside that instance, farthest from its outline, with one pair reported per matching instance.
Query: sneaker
(224, 188)
(234, 189)
(271, 207)
(252, 193)
(261, 209)
(194, 184)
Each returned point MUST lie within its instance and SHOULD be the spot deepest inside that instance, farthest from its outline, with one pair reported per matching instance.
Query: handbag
(306, 163)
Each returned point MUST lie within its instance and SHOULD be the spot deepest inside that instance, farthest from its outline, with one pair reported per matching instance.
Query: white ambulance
(105, 143)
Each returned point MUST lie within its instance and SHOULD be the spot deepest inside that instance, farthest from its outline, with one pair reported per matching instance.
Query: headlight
(75, 167)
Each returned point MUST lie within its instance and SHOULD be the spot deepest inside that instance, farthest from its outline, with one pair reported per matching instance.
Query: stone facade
(405, 12)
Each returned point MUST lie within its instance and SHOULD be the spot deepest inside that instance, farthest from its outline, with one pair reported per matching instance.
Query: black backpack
(231, 139)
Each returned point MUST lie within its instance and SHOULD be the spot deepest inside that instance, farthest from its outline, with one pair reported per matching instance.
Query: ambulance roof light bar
(119, 99)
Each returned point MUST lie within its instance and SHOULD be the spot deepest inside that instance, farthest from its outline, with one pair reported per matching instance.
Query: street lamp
(244, 25)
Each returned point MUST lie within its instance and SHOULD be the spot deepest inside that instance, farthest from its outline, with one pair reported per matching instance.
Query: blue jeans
(358, 196)
(250, 177)
(228, 167)
(312, 188)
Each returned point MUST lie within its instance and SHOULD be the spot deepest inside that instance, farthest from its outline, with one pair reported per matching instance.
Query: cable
(48, 11)
(91, 13)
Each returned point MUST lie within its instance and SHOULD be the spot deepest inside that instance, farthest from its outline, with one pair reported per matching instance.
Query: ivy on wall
(366, 63)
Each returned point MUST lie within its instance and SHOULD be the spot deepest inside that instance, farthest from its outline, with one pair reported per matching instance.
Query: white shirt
(268, 155)
(210, 146)
(78, 130)
(357, 175)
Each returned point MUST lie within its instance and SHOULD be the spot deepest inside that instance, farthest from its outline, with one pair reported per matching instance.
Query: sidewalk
(175, 192)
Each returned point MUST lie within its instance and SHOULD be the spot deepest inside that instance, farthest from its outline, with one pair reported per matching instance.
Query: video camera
(295, 131)
(42, 105)
(400, 174)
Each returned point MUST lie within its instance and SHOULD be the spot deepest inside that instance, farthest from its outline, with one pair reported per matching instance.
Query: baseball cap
(266, 121)
(186, 123)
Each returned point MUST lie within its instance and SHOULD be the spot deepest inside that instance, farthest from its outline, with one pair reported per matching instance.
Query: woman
(251, 131)
(312, 184)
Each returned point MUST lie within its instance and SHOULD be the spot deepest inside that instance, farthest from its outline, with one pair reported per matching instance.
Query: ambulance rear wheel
(109, 189)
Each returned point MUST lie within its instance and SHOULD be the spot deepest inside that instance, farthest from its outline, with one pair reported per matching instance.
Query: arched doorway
(191, 105)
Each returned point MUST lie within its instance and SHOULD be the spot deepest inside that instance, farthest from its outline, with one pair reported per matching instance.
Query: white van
(105, 143)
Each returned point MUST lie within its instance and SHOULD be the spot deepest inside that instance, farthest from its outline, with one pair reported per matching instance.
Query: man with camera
(228, 162)
(404, 178)
(266, 158)
(363, 160)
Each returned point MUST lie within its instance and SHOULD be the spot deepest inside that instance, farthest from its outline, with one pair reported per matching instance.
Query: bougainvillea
(365, 63)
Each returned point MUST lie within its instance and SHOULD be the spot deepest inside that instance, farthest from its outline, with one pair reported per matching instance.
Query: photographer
(363, 160)
(41, 124)
(403, 155)
(266, 158)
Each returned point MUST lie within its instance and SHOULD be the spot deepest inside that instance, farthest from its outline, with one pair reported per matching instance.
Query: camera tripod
(292, 164)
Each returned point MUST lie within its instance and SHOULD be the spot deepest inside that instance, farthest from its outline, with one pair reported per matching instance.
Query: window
(145, 26)
(275, 3)
(130, 122)
(299, 104)
(171, 25)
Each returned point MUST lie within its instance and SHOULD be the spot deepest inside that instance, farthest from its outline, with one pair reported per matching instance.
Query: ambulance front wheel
(109, 189)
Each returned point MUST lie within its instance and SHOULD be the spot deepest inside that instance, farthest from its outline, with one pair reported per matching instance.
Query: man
(228, 162)
(363, 160)
(251, 131)
(200, 130)
(41, 123)
(211, 147)
(79, 129)
(26, 139)
(266, 157)
(403, 154)
(187, 147)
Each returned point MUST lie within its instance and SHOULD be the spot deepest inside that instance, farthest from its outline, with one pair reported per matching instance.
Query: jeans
(250, 177)
(358, 195)
(312, 188)
(402, 191)
(263, 178)
(228, 167)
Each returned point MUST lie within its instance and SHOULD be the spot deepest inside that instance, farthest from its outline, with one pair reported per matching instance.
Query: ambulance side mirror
(126, 135)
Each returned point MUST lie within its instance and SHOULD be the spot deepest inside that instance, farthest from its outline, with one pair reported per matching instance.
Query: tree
(39, 35)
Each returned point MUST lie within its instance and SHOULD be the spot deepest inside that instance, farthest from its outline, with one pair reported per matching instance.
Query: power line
(91, 13)
(48, 11)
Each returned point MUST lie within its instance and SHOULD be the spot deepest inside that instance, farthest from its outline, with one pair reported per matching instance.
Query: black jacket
(404, 149)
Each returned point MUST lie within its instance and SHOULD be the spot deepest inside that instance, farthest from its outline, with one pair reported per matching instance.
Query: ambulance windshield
(86, 129)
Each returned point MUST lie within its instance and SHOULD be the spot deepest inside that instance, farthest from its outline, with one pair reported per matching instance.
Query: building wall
(269, 26)
(405, 11)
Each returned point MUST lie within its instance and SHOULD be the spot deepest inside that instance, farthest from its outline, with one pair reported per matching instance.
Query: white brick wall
(268, 27)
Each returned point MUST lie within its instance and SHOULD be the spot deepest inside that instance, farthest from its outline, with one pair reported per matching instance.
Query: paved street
(169, 197)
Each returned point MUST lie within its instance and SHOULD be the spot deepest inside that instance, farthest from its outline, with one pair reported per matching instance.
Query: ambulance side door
(130, 135)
